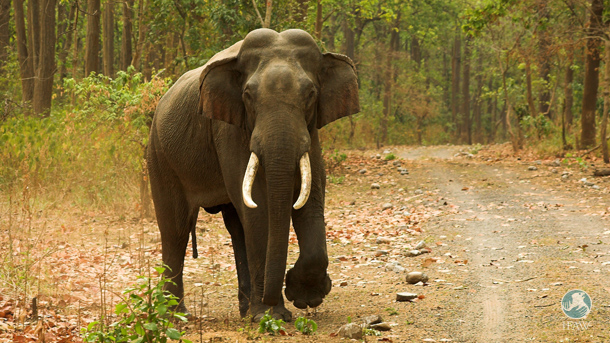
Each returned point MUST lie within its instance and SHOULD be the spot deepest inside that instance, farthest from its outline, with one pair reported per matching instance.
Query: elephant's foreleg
(233, 224)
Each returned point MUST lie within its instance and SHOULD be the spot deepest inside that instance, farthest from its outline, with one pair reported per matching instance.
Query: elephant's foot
(277, 312)
(306, 290)
(181, 308)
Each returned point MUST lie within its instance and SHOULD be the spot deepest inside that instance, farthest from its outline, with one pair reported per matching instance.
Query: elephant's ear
(339, 89)
(220, 91)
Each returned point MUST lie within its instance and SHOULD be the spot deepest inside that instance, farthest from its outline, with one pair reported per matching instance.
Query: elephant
(239, 135)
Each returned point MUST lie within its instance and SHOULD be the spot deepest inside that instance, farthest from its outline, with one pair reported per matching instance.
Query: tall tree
(67, 43)
(456, 63)
(591, 83)
(108, 30)
(26, 70)
(92, 43)
(465, 127)
(43, 85)
(126, 53)
(5, 14)
(34, 32)
(388, 79)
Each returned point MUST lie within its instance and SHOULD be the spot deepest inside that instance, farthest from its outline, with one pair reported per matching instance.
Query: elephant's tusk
(246, 187)
(305, 166)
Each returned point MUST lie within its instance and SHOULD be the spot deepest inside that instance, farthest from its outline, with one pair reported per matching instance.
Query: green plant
(334, 161)
(270, 325)
(371, 332)
(247, 329)
(144, 315)
(306, 326)
(389, 157)
(337, 180)
(391, 311)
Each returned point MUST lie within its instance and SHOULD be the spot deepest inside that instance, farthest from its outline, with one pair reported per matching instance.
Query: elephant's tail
(194, 239)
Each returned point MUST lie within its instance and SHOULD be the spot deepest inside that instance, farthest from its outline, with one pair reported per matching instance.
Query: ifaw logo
(576, 304)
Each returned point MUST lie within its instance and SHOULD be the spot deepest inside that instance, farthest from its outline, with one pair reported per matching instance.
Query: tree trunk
(26, 72)
(478, 103)
(348, 36)
(319, 20)
(67, 43)
(591, 82)
(267, 23)
(75, 44)
(528, 93)
(43, 86)
(126, 53)
(5, 15)
(34, 32)
(455, 80)
(141, 35)
(302, 7)
(604, 124)
(415, 52)
(466, 127)
(92, 48)
(108, 47)
(544, 56)
(568, 93)
(388, 81)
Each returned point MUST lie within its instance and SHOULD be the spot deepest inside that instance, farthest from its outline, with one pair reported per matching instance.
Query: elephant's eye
(311, 98)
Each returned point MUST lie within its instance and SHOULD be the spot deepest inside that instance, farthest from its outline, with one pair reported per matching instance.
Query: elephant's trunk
(280, 174)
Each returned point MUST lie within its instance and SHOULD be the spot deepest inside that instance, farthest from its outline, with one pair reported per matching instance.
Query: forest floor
(506, 238)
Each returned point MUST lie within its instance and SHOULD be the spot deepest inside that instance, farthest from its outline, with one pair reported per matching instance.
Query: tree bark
(591, 82)
(141, 35)
(34, 32)
(478, 103)
(528, 92)
(75, 43)
(126, 54)
(568, 92)
(319, 20)
(26, 72)
(455, 79)
(544, 56)
(348, 36)
(388, 81)
(43, 86)
(5, 38)
(67, 43)
(466, 127)
(604, 124)
(267, 23)
(92, 48)
(108, 47)
(415, 52)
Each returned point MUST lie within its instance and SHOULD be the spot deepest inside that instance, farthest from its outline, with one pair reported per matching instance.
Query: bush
(270, 325)
(306, 326)
(145, 316)
(90, 150)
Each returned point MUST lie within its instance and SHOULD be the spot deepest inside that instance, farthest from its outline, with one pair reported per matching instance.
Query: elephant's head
(280, 89)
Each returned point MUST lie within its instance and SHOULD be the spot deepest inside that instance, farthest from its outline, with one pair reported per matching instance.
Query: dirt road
(529, 236)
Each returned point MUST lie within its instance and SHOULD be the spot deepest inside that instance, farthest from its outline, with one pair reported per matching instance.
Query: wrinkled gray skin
(268, 94)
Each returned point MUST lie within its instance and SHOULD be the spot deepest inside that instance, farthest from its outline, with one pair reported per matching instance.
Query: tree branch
(258, 13)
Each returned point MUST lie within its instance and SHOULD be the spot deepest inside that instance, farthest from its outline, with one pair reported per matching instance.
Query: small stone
(394, 267)
(375, 186)
(362, 171)
(379, 174)
(420, 245)
(565, 176)
(396, 163)
(538, 162)
(556, 163)
(381, 327)
(383, 240)
(413, 253)
(386, 206)
(419, 191)
(595, 187)
(351, 330)
(372, 319)
(343, 284)
(554, 171)
(404, 296)
(404, 172)
(385, 152)
(415, 277)
(532, 168)
(380, 253)
(378, 156)
(428, 340)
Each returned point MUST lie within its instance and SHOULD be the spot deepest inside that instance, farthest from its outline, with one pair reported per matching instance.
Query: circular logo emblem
(576, 304)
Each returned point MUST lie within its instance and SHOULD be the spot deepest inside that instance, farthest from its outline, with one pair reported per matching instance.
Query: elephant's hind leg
(233, 224)
(176, 220)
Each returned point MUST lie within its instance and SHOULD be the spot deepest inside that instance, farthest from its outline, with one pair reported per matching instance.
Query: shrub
(270, 325)
(306, 326)
(145, 316)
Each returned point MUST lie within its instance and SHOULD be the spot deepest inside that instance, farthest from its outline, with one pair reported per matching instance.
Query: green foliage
(391, 311)
(270, 325)
(144, 314)
(540, 126)
(89, 151)
(306, 326)
(334, 164)
(389, 157)
(371, 332)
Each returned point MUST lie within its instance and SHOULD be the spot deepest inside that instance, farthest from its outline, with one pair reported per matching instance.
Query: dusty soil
(505, 244)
